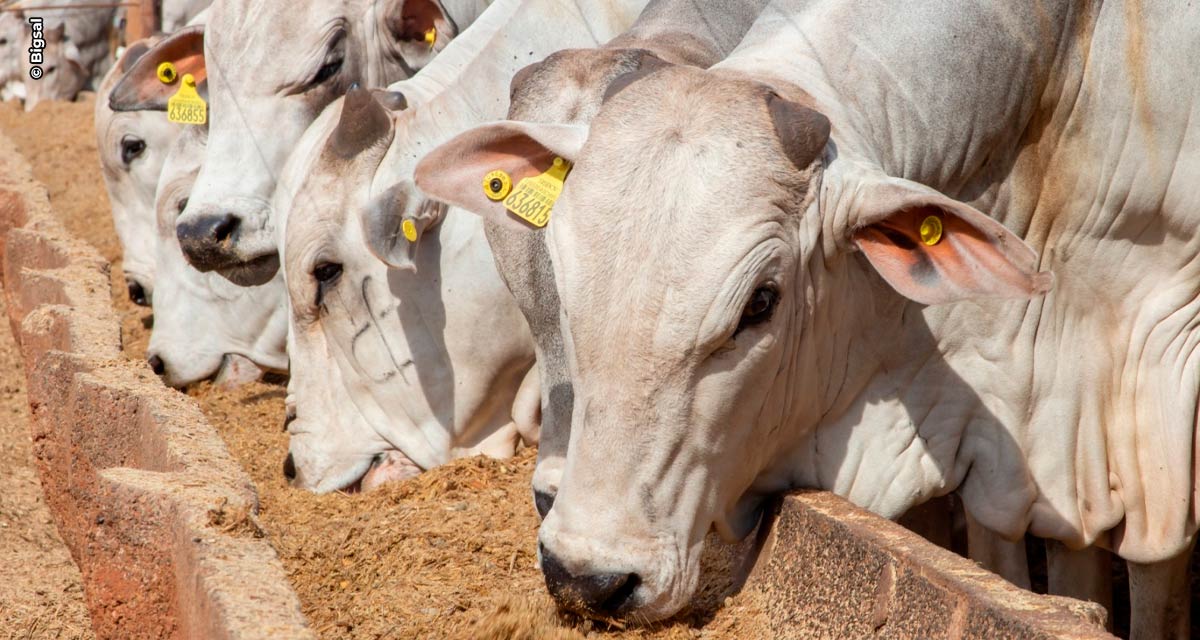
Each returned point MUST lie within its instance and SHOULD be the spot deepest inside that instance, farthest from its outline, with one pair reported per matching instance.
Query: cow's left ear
(145, 88)
(478, 168)
(934, 249)
(419, 29)
(393, 232)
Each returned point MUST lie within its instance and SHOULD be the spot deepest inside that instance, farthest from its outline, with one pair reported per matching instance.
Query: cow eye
(181, 205)
(759, 309)
(327, 275)
(327, 71)
(131, 148)
(51, 69)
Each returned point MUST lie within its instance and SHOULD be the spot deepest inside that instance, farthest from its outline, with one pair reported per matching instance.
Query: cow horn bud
(363, 123)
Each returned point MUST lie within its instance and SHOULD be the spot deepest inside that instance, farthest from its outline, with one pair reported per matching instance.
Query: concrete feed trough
(162, 521)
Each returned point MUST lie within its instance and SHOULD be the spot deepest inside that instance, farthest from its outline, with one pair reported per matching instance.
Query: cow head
(331, 408)
(204, 325)
(132, 147)
(272, 68)
(714, 269)
(63, 74)
(391, 372)
(566, 87)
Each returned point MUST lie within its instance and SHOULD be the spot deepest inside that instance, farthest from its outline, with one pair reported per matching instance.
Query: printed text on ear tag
(186, 106)
(533, 198)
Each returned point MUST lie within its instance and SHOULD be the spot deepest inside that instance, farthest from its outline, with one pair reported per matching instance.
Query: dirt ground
(41, 593)
(448, 554)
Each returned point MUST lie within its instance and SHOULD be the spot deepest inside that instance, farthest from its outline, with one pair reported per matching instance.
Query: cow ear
(393, 230)
(455, 172)
(934, 249)
(141, 88)
(419, 28)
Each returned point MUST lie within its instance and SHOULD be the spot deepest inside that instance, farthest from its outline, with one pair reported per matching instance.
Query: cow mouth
(385, 467)
(251, 273)
(236, 370)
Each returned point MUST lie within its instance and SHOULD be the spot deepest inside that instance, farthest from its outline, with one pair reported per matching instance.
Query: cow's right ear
(393, 225)
(477, 168)
(142, 88)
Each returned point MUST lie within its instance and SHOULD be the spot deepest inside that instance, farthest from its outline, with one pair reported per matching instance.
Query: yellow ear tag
(186, 106)
(431, 36)
(167, 73)
(410, 230)
(931, 230)
(496, 185)
(533, 198)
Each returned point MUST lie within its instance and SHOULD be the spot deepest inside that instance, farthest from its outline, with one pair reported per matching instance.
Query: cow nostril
(598, 593)
(289, 467)
(543, 500)
(137, 294)
(157, 365)
(226, 227)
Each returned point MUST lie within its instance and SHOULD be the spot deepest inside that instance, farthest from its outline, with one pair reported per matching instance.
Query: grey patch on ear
(647, 63)
(135, 51)
(382, 224)
(363, 122)
(390, 100)
(801, 131)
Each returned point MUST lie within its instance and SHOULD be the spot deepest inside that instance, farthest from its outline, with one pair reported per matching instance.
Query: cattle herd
(698, 252)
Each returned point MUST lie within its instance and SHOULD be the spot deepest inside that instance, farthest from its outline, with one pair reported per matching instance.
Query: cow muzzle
(591, 593)
(223, 241)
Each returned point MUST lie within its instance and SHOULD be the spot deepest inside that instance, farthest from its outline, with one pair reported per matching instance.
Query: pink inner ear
(456, 176)
(966, 263)
(141, 88)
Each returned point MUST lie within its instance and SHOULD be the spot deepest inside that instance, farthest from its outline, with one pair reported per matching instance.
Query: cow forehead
(677, 164)
(236, 31)
(567, 85)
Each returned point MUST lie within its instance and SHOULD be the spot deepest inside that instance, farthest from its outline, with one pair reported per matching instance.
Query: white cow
(78, 49)
(134, 141)
(204, 325)
(429, 381)
(132, 146)
(568, 87)
(273, 66)
(394, 371)
(776, 274)
(63, 75)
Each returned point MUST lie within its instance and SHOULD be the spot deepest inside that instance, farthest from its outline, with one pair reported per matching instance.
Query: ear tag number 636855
(186, 106)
